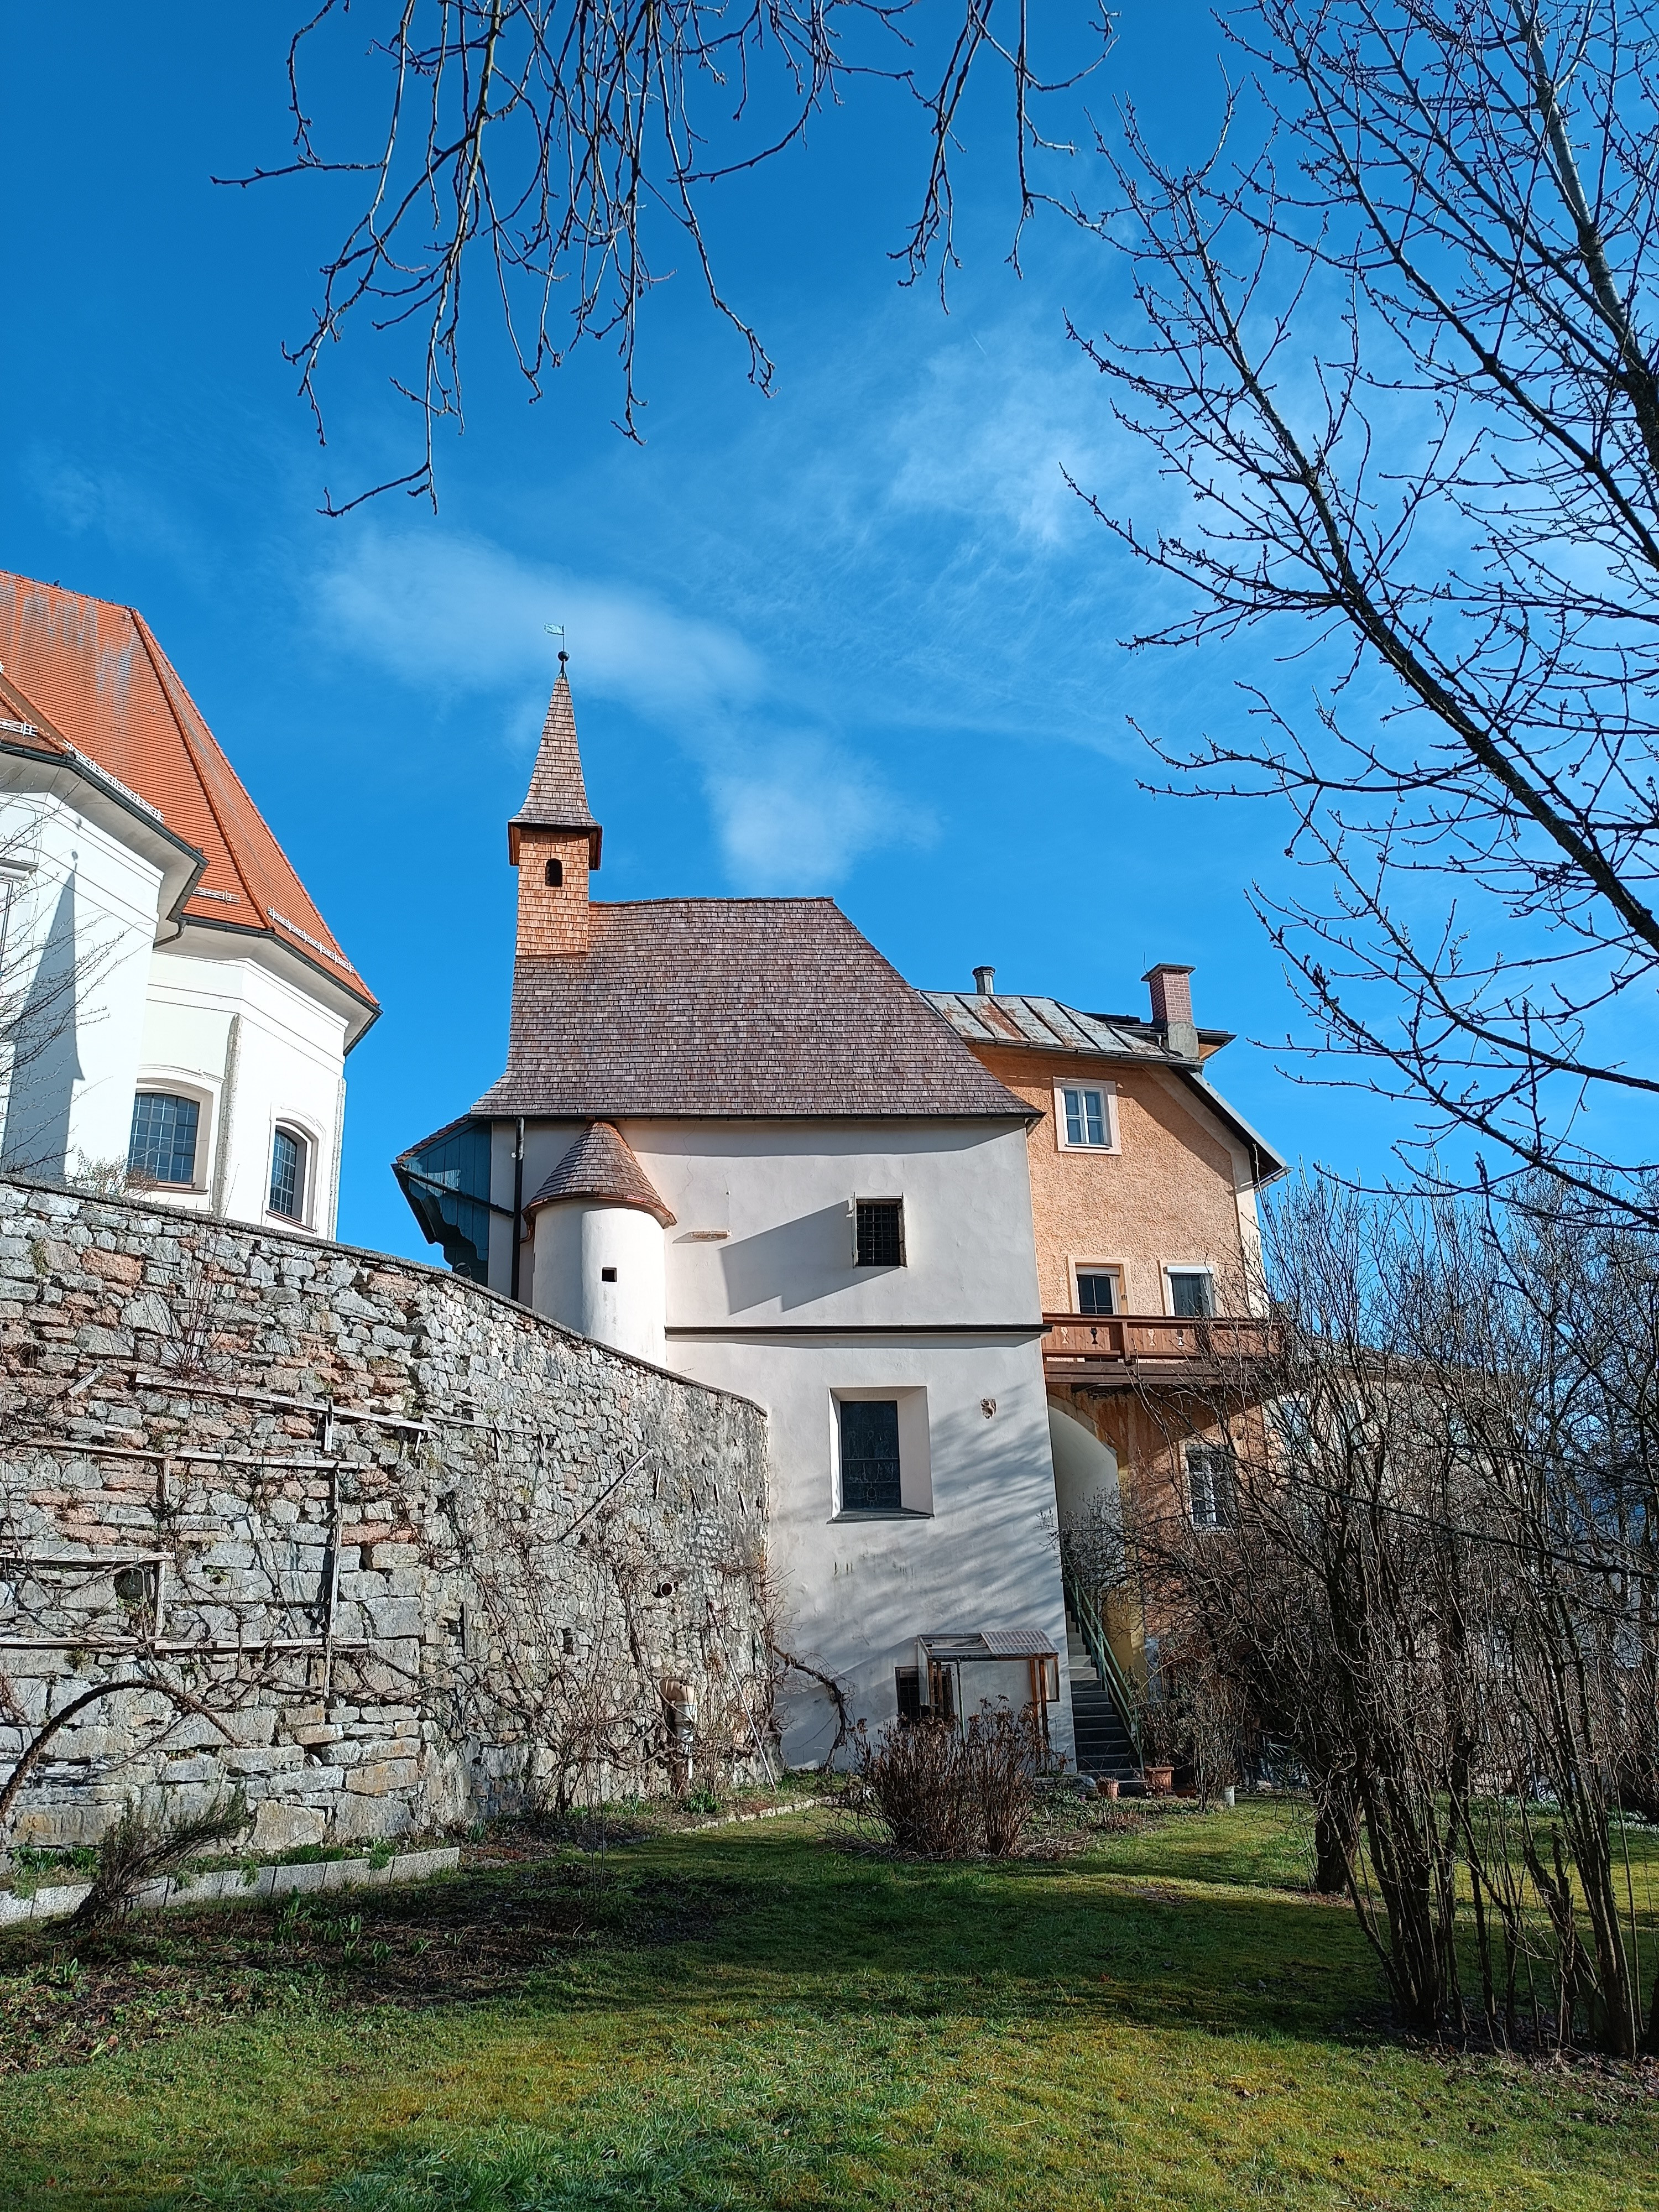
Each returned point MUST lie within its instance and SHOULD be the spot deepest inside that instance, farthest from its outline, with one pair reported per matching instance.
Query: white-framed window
(1085, 1117)
(882, 1458)
(291, 1155)
(1191, 1293)
(167, 1142)
(1212, 1486)
(1099, 1286)
(879, 1232)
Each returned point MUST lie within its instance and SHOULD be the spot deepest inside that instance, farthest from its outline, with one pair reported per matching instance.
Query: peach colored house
(1144, 1184)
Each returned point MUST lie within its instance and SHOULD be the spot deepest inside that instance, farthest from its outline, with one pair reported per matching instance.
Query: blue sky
(858, 638)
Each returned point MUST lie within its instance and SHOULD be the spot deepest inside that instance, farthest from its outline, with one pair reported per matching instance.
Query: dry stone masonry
(372, 1544)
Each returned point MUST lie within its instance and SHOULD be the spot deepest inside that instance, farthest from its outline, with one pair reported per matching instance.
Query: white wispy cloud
(437, 606)
(797, 815)
(792, 810)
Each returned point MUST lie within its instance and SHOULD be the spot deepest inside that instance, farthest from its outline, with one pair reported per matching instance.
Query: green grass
(757, 2016)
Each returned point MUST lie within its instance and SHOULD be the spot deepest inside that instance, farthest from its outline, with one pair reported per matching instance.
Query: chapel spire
(557, 796)
(553, 841)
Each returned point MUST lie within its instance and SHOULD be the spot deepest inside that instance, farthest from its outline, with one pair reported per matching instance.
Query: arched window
(555, 872)
(163, 1148)
(288, 1174)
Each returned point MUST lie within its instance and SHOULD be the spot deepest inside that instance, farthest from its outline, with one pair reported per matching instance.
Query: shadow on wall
(44, 1055)
(988, 1557)
(794, 1262)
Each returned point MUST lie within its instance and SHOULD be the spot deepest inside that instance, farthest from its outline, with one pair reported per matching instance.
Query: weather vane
(557, 629)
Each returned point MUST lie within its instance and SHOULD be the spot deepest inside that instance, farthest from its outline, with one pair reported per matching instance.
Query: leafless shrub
(949, 1793)
(137, 1849)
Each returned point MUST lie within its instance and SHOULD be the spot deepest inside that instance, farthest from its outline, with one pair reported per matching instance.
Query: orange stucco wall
(1168, 1196)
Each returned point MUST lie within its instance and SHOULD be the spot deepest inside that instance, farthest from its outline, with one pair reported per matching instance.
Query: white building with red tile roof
(730, 1140)
(173, 1005)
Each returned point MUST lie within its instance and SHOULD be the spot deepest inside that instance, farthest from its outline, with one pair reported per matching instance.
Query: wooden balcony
(1130, 1352)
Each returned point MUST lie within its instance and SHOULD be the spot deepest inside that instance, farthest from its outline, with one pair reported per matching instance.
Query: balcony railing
(1152, 1347)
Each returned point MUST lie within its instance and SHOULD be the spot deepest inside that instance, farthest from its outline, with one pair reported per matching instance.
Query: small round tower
(596, 1228)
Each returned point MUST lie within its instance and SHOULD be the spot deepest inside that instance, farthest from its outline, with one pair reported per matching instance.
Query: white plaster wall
(573, 1244)
(83, 920)
(856, 1592)
(258, 1053)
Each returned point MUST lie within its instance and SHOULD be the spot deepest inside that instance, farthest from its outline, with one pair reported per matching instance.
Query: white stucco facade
(107, 992)
(761, 1294)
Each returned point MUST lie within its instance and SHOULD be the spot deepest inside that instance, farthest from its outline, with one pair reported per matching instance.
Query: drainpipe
(518, 1200)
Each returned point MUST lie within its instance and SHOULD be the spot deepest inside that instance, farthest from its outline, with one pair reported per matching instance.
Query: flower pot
(1160, 1781)
(1108, 1785)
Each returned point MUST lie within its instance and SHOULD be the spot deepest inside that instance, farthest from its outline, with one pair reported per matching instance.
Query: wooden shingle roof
(720, 1007)
(600, 1166)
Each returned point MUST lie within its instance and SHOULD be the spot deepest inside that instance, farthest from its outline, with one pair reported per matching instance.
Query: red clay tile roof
(557, 796)
(731, 1006)
(97, 674)
(600, 1164)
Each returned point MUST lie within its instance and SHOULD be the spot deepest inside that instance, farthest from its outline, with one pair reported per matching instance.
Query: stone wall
(380, 1547)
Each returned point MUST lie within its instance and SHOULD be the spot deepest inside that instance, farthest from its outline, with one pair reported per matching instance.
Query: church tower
(553, 840)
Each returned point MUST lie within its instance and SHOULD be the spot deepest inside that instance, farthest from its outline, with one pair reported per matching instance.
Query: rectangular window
(1210, 1485)
(907, 1682)
(1083, 1117)
(1098, 1291)
(870, 1455)
(1192, 1293)
(880, 1232)
(163, 1143)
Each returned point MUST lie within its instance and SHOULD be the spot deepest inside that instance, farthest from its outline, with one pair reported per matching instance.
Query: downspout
(518, 1200)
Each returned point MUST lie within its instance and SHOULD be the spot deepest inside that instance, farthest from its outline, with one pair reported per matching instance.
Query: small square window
(1211, 1485)
(870, 1456)
(1192, 1293)
(880, 1232)
(1083, 1117)
(1098, 1291)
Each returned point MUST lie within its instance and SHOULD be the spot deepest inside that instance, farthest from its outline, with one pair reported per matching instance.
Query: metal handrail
(1084, 1609)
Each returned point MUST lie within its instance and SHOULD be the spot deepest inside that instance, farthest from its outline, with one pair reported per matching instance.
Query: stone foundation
(376, 1547)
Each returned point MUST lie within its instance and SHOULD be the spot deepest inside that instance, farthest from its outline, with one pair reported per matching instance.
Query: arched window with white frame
(289, 1161)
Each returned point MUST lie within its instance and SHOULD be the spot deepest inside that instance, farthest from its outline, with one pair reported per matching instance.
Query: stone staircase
(1104, 1746)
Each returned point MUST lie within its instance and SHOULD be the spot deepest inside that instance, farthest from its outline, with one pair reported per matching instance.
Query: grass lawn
(758, 2015)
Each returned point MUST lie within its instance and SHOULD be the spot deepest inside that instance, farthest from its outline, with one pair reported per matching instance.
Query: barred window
(163, 1148)
(880, 1232)
(287, 1180)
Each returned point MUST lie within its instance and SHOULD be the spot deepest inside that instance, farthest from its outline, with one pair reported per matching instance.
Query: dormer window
(879, 1232)
(555, 874)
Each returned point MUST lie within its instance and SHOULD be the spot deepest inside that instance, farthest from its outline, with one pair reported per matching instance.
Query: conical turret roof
(557, 796)
(600, 1166)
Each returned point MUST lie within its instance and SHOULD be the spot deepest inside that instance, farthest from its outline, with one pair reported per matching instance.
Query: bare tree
(1395, 343)
(1434, 1580)
(564, 152)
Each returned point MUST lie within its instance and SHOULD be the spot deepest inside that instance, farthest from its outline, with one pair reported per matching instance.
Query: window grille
(870, 1455)
(1096, 1291)
(1086, 1120)
(880, 1232)
(163, 1143)
(1192, 1294)
(1211, 1484)
(287, 1183)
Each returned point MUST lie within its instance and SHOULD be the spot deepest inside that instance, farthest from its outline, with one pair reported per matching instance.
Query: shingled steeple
(557, 796)
(553, 840)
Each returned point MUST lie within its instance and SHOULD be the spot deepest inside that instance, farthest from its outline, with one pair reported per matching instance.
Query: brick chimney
(554, 842)
(1172, 1006)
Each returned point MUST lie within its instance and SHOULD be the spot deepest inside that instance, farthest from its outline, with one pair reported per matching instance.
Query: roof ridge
(162, 668)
